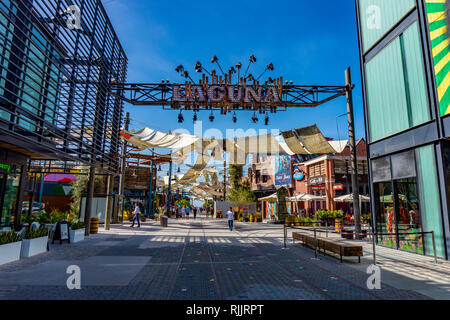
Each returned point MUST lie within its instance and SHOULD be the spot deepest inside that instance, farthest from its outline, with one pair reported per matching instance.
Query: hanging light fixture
(266, 120)
(180, 118)
(255, 118)
(211, 117)
(234, 118)
(195, 117)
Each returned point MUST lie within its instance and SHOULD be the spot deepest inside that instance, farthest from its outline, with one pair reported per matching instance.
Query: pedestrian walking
(187, 212)
(230, 215)
(136, 212)
(183, 212)
(195, 213)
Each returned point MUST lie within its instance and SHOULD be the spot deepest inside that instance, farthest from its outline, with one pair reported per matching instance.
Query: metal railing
(373, 235)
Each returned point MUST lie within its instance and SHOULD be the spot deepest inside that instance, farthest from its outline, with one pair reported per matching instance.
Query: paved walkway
(201, 260)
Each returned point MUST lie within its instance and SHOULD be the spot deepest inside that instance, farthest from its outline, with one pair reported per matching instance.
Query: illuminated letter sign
(227, 93)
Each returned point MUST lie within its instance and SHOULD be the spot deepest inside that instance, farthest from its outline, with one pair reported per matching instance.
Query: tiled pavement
(202, 260)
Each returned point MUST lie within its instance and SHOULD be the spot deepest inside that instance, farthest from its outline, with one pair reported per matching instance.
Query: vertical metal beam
(169, 194)
(109, 201)
(90, 195)
(353, 157)
(123, 163)
(150, 192)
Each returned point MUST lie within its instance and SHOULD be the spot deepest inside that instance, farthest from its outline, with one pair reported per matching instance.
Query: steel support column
(150, 192)
(169, 194)
(353, 157)
(90, 195)
(109, 201)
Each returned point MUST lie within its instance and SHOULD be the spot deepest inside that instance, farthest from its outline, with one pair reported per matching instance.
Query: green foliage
(366, 217)
(235, 175)
(338, 214)
(80, 187)
(324, 214)
(34, 234)
(328, 214)
(183, 202)
(208, 203)
(76, 225)
(241, 194)
(9, 237)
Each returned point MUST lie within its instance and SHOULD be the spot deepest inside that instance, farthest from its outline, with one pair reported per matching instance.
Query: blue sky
(309, 42)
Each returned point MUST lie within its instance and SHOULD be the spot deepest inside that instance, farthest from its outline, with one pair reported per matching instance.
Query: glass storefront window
(385, 214)
(409, 218)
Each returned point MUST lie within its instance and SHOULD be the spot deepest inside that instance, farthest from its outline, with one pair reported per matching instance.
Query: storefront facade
(405, 60)
(54, 99)
(329, 176)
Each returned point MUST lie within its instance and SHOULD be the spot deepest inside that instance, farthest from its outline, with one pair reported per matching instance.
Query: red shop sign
(338, 187)
(318, 188)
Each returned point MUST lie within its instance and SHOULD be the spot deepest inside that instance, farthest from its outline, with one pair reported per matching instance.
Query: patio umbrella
(58, 177)
(349, 198)
(271, 198)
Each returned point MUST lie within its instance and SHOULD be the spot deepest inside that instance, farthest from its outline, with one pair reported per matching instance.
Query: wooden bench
(343, 249)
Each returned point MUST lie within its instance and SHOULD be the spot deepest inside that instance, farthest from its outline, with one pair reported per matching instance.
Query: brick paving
(196, 260)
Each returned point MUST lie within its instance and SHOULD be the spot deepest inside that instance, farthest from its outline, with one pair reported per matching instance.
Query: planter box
(10, 252)
(76, 235)
(33, 247)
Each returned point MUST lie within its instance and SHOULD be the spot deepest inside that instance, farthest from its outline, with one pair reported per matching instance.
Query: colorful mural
(437, 23)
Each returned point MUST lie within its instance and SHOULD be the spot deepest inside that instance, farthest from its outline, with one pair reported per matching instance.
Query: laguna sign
(226, 93)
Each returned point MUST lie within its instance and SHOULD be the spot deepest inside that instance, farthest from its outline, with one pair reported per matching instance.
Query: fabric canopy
(310, 140)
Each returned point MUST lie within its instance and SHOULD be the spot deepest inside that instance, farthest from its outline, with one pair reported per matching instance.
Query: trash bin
(164, 221)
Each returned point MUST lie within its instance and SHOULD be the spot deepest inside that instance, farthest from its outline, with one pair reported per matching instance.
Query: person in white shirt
(230, 215)
(136, 212)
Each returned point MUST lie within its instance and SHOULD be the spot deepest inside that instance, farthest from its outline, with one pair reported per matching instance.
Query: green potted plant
(10, 246)
(259, 218)
(77, 231)
(338, 220)
(297, 221)
(34, 242)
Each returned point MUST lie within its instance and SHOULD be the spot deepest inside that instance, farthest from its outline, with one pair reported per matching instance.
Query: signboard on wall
(299, 174)
(282, 170)
(318, 188)
(438, 25)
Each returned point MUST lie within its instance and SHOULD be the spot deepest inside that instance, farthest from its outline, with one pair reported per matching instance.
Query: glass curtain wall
(378, 16)
(396, 87)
